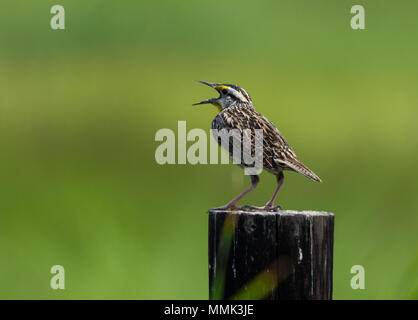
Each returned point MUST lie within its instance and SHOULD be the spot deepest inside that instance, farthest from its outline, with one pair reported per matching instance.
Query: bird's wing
(276, 150)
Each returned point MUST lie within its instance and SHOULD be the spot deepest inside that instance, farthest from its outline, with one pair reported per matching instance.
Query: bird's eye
(224, 91)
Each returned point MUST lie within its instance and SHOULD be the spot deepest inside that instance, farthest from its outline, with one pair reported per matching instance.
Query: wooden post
(270, 255)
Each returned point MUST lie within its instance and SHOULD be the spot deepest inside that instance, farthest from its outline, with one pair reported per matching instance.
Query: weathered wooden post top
(270, 255)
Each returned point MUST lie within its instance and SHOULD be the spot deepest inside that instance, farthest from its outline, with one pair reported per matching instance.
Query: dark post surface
(270, 255)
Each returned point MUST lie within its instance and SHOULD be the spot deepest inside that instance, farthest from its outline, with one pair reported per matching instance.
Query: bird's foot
(264, 208)
(227, 207)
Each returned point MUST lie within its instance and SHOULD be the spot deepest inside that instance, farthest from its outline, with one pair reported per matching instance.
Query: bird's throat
(218, 106)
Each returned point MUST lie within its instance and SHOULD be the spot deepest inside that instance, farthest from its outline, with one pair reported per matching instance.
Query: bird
(236, 111)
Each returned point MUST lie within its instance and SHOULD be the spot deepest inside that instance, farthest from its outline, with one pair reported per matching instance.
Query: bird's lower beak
(210, 101)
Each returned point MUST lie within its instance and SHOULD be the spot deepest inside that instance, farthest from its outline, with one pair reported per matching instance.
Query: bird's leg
(233, 202)
(280, 180)
(270, 204)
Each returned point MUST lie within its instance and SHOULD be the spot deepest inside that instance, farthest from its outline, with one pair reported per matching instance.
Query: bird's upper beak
(211, 101)
(210, 84)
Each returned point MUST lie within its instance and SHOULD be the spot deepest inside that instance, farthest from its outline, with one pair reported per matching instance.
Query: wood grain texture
(270, 255)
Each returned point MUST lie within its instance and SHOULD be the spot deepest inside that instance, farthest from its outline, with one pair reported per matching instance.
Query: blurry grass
(79, 111)
(95, 158)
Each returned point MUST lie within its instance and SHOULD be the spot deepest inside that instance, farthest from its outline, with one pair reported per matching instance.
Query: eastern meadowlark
(236, 111)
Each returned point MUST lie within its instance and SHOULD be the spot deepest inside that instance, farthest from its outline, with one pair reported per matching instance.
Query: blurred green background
(79, 109)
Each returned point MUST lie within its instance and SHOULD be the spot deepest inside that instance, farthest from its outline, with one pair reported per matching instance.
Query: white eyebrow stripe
(237, 94)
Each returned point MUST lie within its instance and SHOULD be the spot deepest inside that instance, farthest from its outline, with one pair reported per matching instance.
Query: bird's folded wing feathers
(284, 156)
(276, 150)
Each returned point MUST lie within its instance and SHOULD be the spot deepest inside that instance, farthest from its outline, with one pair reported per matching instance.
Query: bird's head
(229, 95)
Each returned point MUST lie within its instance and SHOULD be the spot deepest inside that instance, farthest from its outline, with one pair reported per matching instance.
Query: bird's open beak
(211, 101)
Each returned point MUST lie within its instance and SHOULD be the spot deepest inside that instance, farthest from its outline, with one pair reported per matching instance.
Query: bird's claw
(265, 208)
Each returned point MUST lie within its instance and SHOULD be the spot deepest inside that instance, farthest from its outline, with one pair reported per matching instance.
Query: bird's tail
(298, 166)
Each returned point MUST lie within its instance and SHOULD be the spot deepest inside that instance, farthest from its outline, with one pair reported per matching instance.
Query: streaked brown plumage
(238, 112)
(277, 154)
